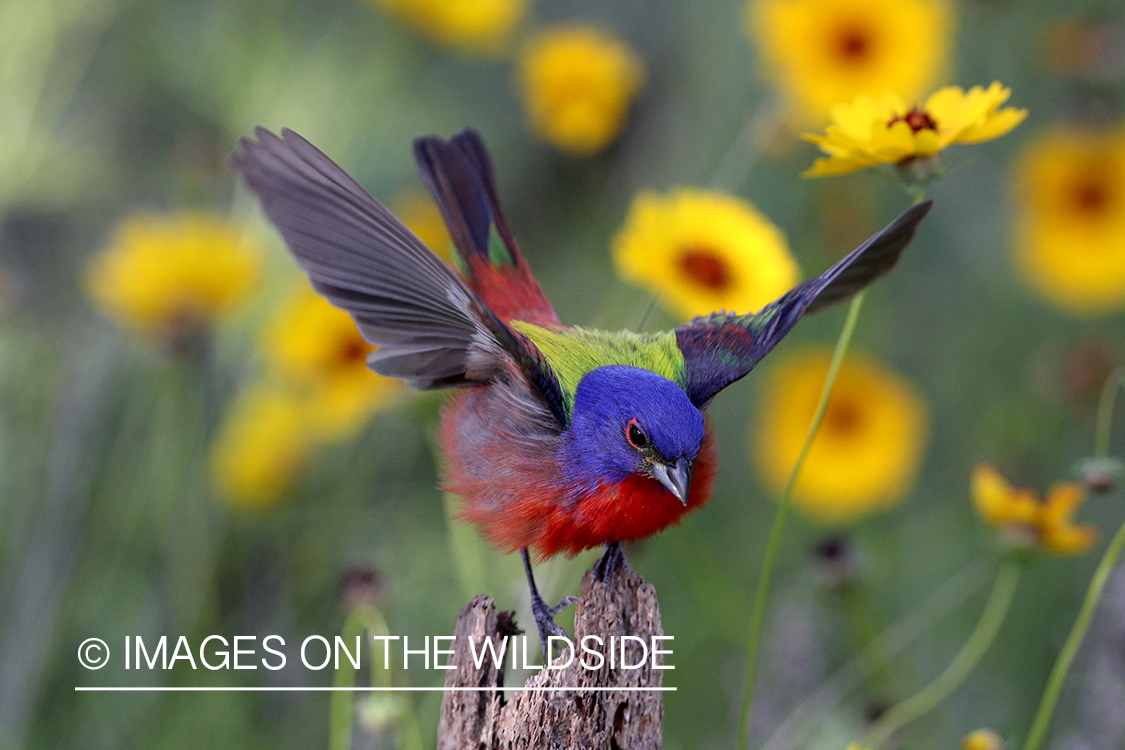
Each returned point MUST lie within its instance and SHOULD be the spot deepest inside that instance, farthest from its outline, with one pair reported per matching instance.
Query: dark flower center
(854, 45)
(706, 268)
(843, 417)
(353, 352)
(916, 119)
(1091, 196)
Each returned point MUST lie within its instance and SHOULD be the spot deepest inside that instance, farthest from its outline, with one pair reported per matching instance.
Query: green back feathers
(576, 351)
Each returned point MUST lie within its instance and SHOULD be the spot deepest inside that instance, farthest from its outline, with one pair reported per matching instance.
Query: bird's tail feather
(458, 173)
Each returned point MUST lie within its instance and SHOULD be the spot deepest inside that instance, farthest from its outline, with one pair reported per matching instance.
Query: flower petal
(995, 126)
(998, 502)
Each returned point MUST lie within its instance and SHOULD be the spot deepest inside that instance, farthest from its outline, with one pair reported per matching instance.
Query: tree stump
(629, 720)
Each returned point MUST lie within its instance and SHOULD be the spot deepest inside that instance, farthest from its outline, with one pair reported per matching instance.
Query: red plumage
(633, 509)
(511, 486)
(510, 290)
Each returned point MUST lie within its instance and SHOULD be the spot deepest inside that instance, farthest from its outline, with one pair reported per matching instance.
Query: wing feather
(723, 347)
(431, 329)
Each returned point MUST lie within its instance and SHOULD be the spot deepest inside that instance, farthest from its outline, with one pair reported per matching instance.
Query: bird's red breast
(635, 508)
(511, 486)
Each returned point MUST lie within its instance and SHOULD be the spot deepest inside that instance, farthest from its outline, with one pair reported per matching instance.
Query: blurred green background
(110, 523)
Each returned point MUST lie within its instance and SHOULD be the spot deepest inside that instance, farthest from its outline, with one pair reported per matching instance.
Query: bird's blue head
(628, 420)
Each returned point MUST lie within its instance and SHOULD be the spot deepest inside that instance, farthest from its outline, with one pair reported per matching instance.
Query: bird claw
(609, 562)
(544, 619)
(565, 602)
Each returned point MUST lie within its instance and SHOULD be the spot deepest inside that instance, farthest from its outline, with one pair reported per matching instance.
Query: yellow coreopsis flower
(701, 251)
(869, 132)
(1025, 520)
(820, 52)
(869, 446)
(578, 83)
(170, 275)
(317, 349)
(479, 26)
(1070, 218)
(982, 739)
(262, 446)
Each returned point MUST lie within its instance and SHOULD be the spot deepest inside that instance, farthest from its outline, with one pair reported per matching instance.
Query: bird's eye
(636, 436)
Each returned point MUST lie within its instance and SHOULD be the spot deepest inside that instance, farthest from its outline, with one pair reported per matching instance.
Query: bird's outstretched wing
(431, 329)
(458, 173)
(723, 347)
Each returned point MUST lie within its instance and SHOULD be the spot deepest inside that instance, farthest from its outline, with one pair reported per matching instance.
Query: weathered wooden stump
(629, 720)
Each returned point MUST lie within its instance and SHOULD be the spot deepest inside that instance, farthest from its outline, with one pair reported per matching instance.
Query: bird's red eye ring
(636, 436)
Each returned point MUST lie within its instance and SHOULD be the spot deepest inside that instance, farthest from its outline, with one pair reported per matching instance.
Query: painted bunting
(559, 439)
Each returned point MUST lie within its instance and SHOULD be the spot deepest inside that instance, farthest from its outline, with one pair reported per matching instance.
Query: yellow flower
(482, 27)
(420, 214)
(998, 503)
(982, 739)
(869, 446)
(578, 83)
(1025, 520)
(166, 276)
(1056, 514)
(317, 349)
(870, 132)
(1070, 218)
(702, 251)
(820, 52)
(261, 448)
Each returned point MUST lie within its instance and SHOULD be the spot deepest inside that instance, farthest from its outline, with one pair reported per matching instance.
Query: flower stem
(757, 134)
(341, 702)
(1062, 665)
(812, 712)
(758, 610)
(1105, 411)
(863, 622)
(465, 548)
(921, 703)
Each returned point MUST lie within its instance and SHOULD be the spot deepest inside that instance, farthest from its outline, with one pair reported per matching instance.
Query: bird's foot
(545, 618)
(610, 561)
(544, 615)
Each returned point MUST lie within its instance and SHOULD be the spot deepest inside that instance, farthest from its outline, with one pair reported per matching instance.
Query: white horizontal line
(367, 689)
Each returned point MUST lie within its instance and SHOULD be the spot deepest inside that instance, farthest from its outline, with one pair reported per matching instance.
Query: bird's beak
(676, 477)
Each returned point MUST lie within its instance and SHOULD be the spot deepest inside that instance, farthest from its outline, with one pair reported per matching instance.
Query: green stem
(757, 134)
(813, 711)
(409, 730)
(758, 610)
(341, 703)
(1105, 411)
(466, 549)
(1062, 665)
(995, 611)
(376, 628)
(864, 629)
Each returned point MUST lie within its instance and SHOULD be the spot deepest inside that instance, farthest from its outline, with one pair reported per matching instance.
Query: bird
(559, 438)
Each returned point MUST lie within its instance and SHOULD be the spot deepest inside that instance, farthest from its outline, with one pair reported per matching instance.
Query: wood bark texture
(621, 720)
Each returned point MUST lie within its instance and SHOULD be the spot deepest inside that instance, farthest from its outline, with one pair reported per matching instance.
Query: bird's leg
(544, 615)
(610, 561)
